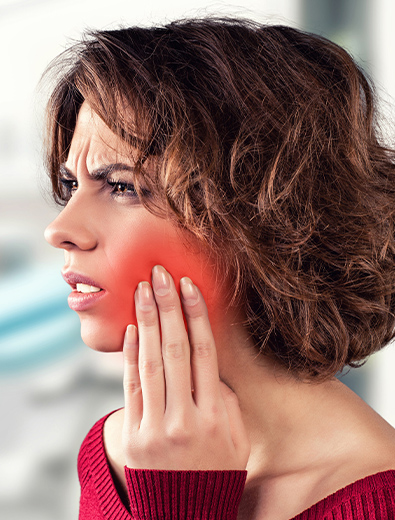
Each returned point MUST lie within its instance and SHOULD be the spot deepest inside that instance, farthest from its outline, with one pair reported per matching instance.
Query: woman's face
(111, 242)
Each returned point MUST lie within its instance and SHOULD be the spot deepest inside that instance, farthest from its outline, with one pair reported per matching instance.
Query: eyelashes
(118, 188)
(122, 188)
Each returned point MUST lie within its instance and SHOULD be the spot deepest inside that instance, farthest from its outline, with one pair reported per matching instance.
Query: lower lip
(83, 301)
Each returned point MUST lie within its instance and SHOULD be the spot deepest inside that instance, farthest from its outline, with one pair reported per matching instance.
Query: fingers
(175, 344)
(203, 352)
(164, 364)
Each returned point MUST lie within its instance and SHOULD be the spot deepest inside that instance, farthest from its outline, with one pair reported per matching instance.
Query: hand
(167, 425)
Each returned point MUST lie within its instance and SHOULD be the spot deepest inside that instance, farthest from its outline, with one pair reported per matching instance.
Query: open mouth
(85, 296)
(86, 289)
(84, 292)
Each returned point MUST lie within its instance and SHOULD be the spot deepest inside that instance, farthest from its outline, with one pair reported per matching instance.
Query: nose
(72, 229)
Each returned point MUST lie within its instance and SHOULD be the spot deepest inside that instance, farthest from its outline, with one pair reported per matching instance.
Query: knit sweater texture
(207, 495)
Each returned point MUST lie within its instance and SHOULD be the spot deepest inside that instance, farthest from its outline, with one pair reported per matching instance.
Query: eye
(125, 189)
(68, 187)
(122, 188)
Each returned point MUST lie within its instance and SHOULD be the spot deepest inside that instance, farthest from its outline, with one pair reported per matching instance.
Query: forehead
(93, 143)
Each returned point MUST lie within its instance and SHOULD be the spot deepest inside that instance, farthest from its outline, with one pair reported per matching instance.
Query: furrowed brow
(103, 172)
(100, 173)
(65, 172)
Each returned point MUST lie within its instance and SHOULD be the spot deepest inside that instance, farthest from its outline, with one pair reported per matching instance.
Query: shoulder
(112, 439)
(365, 468)
(365, 440)
(100, 497)
(91, 451)
(357, 447)
(112, 435)
(371, 497)
(375, 447)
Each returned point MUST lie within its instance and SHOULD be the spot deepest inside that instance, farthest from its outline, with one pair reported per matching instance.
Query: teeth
(84, 288)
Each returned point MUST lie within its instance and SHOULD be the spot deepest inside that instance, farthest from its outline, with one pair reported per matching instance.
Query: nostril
(66, 244)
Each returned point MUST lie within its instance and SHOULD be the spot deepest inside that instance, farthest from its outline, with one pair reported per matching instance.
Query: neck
(280, 412)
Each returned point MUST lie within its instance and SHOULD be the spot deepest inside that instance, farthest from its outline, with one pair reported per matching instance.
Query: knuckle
(167, 305)
(215, 419)
(202, 349)
(230, 396)
(151, 367)
(212, 428)
(147, 318)
(132, 386)
(178, 433)
(196, 312)
(215, 415)
(213, 412)
(174, 350)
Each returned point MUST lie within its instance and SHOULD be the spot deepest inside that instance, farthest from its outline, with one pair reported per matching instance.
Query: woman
(237, 167)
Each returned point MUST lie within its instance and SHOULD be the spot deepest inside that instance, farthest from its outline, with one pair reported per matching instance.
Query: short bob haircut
(266, 149)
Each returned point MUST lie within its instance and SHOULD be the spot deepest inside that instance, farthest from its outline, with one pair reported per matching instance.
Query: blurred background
(52, 387)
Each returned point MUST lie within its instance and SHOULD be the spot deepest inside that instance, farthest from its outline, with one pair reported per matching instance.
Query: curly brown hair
(267, 150)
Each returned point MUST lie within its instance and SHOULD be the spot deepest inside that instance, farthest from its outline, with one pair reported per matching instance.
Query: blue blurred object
(36, 324)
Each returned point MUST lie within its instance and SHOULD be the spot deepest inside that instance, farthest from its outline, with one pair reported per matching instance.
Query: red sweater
(207, 495)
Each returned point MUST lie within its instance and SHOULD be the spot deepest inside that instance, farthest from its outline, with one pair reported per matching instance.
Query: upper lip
(73, 278)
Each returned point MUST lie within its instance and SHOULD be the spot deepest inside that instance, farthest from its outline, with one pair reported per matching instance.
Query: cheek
(132, 262)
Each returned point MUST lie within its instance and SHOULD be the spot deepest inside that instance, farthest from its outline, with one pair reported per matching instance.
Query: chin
(97, 338)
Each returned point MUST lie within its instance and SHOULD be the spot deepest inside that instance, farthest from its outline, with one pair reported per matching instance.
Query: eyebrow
(100, 173)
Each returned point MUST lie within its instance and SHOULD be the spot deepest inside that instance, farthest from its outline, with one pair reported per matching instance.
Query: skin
(298, 441)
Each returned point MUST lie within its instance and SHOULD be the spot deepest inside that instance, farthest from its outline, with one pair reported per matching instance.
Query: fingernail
(188, 290)
(160, 280)
(131, 335)
(144, 295)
